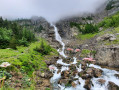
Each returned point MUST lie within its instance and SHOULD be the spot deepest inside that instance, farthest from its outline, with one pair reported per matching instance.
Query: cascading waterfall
(108, 75)
(59, 39)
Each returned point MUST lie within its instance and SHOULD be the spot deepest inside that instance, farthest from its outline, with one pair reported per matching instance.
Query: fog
(52, 10)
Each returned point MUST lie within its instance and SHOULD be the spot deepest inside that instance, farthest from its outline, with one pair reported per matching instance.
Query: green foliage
(4, 73)
(26, 59)
(85, 28)
(90, 28)
(85, 36)
(112, 21)
(85, 52)
(47, 89)
(12, 35)
(26, 81)
(110, 5)
(13, 43)
(5, 37)
(39, 29)
(43, 48)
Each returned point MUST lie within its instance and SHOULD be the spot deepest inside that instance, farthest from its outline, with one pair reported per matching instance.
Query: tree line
(12, 34)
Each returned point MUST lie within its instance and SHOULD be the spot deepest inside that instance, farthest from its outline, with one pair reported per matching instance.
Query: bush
(90, 28)
(44, 48)
(85, 28)
(112, 21)
(5, 37)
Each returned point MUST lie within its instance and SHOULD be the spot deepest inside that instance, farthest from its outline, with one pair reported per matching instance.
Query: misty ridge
(51, 10)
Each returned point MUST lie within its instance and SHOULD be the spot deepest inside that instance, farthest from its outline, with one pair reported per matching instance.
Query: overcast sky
(52, 10)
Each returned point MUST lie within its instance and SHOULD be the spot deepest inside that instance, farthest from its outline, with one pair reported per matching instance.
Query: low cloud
(52, 10)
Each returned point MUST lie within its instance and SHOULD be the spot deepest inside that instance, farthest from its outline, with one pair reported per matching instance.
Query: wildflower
(5, 64)
(88, 59)
(70, 49)
(51, 67)
(77, 50)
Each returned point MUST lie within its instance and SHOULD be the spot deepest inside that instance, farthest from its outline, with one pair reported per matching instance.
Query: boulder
(88, 84)
(117, 76)
(101, 81)
(73, 84)
(108, 56)
(97, 72)
(64, 81)
(110, 37)
(86, 76)
(112, 86)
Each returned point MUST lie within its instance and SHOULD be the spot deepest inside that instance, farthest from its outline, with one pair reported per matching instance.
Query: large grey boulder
(110, 37)
(108, 56)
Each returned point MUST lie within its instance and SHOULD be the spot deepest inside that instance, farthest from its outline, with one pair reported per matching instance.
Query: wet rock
(75, 73)
(56, 57)
(59, 66)
(101, 81)
(65, 74)
(48, 74)
(79, 82)
(117, 76)
(73, 67)
(64, 81)
(97, 72)
(88, 84)
(86, 76)
(81, 73)
(58, 71)
(89, 71)
(112, 86)
(73, 84)
(65, 60)
(83, 67)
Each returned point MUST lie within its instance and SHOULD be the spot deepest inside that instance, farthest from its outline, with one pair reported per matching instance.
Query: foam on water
(107, 75)
(59, 39)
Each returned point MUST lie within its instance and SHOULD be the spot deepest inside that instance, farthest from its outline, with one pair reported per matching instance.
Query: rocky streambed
(69, 73)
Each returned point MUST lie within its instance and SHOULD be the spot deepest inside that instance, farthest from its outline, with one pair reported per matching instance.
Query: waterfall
(108, 75)
(59, 39)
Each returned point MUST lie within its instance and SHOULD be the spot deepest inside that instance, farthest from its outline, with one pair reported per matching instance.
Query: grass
(85, 36)
(25, 59)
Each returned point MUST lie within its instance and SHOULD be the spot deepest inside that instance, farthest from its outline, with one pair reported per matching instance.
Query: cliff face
(108, 9)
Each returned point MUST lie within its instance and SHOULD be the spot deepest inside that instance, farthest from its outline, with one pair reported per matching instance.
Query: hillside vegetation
(23, 53)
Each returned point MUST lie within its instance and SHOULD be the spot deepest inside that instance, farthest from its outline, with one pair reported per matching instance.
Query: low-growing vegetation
(26, 60)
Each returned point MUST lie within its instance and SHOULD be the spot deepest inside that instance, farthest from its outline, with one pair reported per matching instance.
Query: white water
(59, 39)
(107, 75)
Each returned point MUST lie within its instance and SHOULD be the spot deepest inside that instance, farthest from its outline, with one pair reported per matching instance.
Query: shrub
(5, 37)
(112, 21)
(44, 48)
(85, 28)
